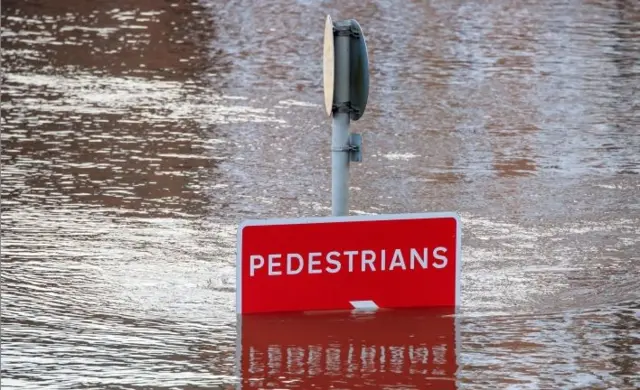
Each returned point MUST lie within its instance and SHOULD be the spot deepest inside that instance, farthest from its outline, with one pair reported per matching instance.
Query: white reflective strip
(364, 305)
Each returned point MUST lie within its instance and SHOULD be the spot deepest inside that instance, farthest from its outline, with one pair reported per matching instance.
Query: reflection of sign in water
(341, 263)
(405, 348)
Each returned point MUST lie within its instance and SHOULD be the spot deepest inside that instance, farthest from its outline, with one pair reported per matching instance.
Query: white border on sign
(351, 218)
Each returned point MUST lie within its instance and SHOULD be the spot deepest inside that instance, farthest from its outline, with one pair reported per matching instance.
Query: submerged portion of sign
(397, 348)
(345, 263)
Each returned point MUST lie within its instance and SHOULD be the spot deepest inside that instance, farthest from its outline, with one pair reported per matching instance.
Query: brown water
(136, 135)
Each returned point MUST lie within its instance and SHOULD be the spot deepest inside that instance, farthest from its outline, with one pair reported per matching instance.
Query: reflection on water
(137, 134)
(405, 348)
(421, 349)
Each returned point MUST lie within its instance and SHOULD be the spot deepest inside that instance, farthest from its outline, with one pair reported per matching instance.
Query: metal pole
(340, 130)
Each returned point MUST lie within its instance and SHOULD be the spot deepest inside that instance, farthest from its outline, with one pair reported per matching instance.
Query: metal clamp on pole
(353, 147)
(345, 108)
(346, 28)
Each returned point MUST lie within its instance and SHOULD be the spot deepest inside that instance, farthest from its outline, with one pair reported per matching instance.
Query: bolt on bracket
(355, 151)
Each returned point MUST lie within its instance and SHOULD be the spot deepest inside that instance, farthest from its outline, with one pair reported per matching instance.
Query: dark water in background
(136, 135)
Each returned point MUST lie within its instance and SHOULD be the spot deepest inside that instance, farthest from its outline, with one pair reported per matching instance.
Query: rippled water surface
(136, 135)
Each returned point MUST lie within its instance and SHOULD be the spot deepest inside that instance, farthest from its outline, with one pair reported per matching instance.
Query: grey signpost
(346, 89)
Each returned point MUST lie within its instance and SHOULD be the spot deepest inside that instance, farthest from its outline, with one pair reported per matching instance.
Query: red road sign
(397, 348)
(344, 263)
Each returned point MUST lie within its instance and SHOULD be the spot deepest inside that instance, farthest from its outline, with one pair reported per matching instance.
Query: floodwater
(137, 135)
